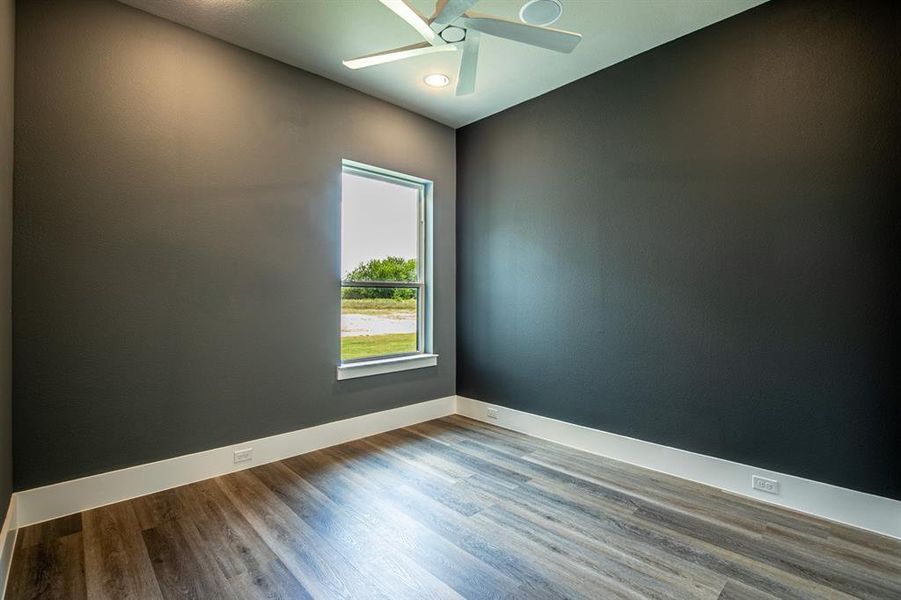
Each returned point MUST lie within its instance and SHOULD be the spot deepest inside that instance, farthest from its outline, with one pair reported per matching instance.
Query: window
(385, 292)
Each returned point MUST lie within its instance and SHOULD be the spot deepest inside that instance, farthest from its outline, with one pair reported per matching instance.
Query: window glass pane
(378, 322)
(379, 229)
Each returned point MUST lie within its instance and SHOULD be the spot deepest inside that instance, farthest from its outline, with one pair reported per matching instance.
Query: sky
(378, 219)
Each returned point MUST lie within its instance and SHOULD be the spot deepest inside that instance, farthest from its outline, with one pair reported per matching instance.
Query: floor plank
(52, 570)
(49, 531)
(252, 568)
(309, 557)
(184, 567)
(451, 508)
(117, 566)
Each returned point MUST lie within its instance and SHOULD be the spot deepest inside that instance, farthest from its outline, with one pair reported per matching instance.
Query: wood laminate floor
(448, 509)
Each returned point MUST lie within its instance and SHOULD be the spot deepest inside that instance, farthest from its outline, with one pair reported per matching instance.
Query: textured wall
(7, 41)
(697, 246)
(177, 242)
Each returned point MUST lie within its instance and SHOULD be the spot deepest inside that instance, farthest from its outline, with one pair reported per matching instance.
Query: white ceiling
(316, 35)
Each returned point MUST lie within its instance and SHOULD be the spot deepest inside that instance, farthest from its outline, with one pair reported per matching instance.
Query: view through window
(382, 287)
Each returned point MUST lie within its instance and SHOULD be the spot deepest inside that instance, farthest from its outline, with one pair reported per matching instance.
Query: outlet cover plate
(243, 455)
(762, 484)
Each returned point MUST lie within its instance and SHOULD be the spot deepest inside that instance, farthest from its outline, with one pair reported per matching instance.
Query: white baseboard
(7, 543)
(67, 497)
(858, 509)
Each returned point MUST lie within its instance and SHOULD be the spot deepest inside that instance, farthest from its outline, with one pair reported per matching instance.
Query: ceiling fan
(453, 27)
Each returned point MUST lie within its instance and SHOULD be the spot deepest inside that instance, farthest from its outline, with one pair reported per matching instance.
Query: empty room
(406, 299)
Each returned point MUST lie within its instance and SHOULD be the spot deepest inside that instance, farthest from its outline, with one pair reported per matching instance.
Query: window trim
(403, 362)
(424, 356)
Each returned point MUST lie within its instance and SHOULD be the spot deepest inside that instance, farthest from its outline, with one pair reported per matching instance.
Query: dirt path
(353, 324)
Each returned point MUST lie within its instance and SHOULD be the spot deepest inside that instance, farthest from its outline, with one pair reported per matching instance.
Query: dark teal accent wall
(697, 246)
(176, 258)
(7, 59)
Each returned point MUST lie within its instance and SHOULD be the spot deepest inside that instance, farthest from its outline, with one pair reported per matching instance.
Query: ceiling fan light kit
(540, 12)
(453, 34)
(453, 27)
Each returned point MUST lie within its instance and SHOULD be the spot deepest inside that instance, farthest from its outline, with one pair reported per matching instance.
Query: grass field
(374, 345)
(374, 306)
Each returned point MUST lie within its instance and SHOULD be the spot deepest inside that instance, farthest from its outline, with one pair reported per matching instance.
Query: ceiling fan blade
(387, 56)
(448, 11)
(414, 19)
(544, 37)
(466, 79)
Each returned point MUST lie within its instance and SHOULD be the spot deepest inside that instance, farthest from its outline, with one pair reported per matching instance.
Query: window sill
(386, 365)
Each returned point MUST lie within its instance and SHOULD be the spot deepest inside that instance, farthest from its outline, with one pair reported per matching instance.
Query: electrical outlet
(492, 413)
(770, 486)
(243, 455)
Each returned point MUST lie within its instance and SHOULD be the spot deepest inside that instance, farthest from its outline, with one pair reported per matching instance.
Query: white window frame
(424, 355)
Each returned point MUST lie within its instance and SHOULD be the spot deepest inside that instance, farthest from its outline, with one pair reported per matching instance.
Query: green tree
(391, 268)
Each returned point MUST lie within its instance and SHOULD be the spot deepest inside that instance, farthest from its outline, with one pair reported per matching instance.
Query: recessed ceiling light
(453, 34)
(540, 12)
(436, 80)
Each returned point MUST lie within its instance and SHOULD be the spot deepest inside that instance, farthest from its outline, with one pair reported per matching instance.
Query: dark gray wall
(177, 241)
(696, 246)
(7, 58)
